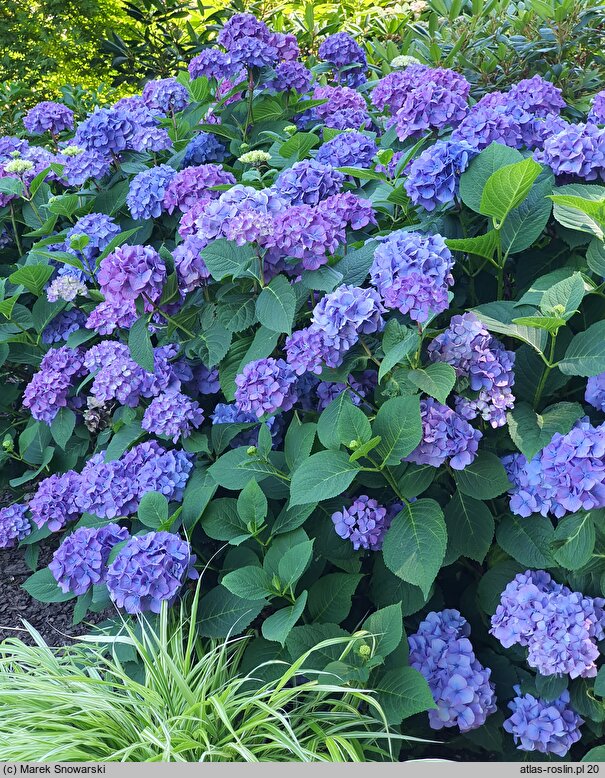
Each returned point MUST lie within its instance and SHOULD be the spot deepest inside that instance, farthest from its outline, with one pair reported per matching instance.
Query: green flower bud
(18, 166)
(255, 158)
(365, 652)
(252, 451)
(353, 445)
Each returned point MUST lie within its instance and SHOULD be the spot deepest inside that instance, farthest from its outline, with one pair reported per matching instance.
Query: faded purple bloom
(148, 570)
(66, 287)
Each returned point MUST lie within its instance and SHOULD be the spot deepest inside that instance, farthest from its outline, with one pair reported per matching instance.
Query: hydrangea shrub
(337, 341)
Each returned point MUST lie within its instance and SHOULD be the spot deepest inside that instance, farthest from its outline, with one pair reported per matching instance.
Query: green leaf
(224, 258)
(330, 597)
(224, 614)
(399, 426)
(362, 451)
(525, 223)
(498, 317)
(507, 187)
(482, 245)
(494, 582)
(139, 344)
(62, 426)
(585, 355)
(276, 305)
(252, 505)
(595, 256)
(568, 293)
(596, 754)
(153, 510)
(298, 442)
(289, 519)
(294, 563)
(528, 540)
(221, 521)
(531, 431)
(484, 478)
(43, 587)
(249, 583)
(416, 479)
(474, 178)
(470, 527)
(579, 207)
(436, 380)
(574, 540)
(11, 186)
(386, 625)
(298, 145)
(414, 545)
(327, 424)
(352, 425)
(397, 342)
(278, 626)
(402, 693)
(355, 265)
(324, 475)
(32, 277)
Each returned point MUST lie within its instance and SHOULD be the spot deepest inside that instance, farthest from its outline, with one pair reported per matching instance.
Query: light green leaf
(324, 475)
(574, 540)
(32, 277)
(249, 583)
(224, 258)
(294, 563)
(531, 431)
(62, 426)
(276, 304)
(153, 510)
(585, 355)
(436, 380)
(278, 626)
(482, 245)
(139, 344)
(399, 426)
(474, 178)
(507, 187)
(330, 597)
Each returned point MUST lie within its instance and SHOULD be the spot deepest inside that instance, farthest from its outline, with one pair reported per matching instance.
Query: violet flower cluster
(549, 727)
(14, 525)
(446, 437)
(364, 523)
(559, 628)
(50, 387)
(460, 685)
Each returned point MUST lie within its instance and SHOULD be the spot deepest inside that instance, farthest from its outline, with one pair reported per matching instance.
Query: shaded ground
(52, 620)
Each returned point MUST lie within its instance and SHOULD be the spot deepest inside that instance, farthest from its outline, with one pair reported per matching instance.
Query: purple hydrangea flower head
(349, 119)
(446, 436)
(54, 503)
(48, 117)
(190, 267)
(130, 272)
(338, 98)
(305, 350)
(147, 190)
(65, 287)
(560, 628)
(48, 390)
(429, 107)
(349, 210)
(100, 231)
(155, 469)
(252, 52)
(84, 165)
(597, 108)
(14, 526)
(106, 489)
(106, 131)
(568, 475)
(549, 727)
(62, 326)
(412, 272)
(305, 233)
(212, 63)
(202, 148)
(433, 178)
(148, 570)
(81, 560)
(537, 96)
(392, 91)
(348, 149)
(112, 314)
(207, 380)
(364, 523)
(240, 26)
(9, 144)
(291, 76)
(265, 386)
(166, 95)
(230, 414)
(215, 218)
(308, 182)
(173, 415)
(192, 185)
(286, 46)
(460, 685)
(485, 124)
(595, 391)
(250, 226)
(356, 387)
(578, 150)
(341, 51)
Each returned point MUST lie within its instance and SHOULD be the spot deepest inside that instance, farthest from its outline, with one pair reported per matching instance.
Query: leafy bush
(158, 693)
(338, 342)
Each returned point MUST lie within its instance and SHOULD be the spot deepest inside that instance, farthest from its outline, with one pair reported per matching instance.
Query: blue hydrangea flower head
(543, 726)
(446, 437)
(308, 182)
(149, 570)
(145, 197)
(364, 523)
(595, 391)
(172, 415)
(14, 526)
(433, 178)
(106, 131)
(202, 148)
(50, 117)
(265, 386)
(166, 95)
(348, 149)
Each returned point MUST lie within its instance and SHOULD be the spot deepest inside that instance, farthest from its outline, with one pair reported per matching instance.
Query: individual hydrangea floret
(549, 727)
(48, 390)
(50, 117)
(129, 272)
(147, 191)
(595, 391)
(560, 628)
(193, 185)
(81, 560)
(149, 570)
(460, 685)
(54, 503)
(446, 437)
(433, 178)
(202, 148)
(348, 149)
(265, 386)
(166, 95)
(291, 76)
(14, 526)
(172, 415)
(364, 523)
(412, 272)
(308, 182)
